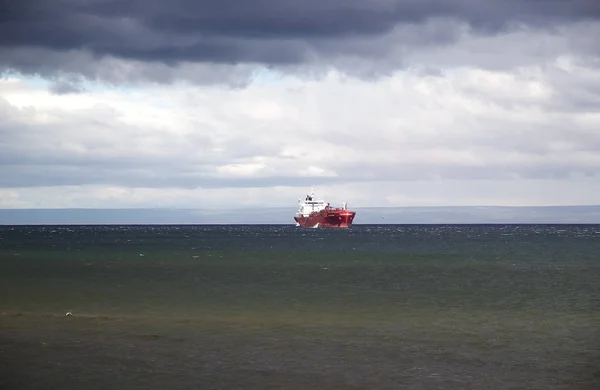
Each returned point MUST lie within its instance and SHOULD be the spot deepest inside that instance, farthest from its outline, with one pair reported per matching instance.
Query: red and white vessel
(316, 213)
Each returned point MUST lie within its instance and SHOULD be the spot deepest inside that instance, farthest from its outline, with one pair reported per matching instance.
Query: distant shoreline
(575, 214)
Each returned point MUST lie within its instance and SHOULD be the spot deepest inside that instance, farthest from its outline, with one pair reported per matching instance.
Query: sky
(219, 104)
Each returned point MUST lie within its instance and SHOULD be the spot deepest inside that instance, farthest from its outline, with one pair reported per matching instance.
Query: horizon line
(287, 207)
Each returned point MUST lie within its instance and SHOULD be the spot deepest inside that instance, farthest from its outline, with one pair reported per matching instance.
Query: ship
(316, 213)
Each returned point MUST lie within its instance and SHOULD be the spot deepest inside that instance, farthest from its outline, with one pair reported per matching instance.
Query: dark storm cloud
(260, 31)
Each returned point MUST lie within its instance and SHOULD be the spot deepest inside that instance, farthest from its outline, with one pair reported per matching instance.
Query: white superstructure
(310, 204)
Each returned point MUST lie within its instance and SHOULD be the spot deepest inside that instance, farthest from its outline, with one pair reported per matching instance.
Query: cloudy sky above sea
(212, 104)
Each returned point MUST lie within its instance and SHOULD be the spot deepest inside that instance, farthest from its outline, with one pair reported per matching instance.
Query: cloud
(141, 102)
(464, 124)
(67, 85)
(247, 200)
(123, 41)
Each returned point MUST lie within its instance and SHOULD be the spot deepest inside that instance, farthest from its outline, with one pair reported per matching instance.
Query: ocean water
(279, 307)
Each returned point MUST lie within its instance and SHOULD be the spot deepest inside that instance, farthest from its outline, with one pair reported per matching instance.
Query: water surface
(274, 306)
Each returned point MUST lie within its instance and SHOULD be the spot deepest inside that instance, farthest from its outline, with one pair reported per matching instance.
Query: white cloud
(530, 132)
(510, 192)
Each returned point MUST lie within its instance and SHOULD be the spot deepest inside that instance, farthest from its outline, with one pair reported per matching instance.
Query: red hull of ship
(327, 219)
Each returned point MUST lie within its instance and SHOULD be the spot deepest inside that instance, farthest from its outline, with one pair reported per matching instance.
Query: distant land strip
(589, 214)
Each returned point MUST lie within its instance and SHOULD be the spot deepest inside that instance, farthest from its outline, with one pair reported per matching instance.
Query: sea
(280, 307)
